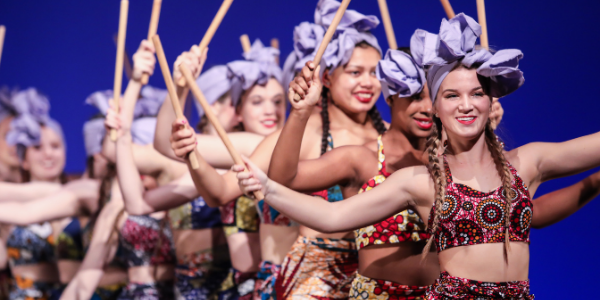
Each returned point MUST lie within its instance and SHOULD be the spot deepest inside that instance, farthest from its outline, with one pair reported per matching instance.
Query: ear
(326, 79)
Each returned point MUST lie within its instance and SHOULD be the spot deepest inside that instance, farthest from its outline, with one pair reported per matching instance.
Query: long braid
(325, 120)
(437, 173)
(377, 120)
(496, 149)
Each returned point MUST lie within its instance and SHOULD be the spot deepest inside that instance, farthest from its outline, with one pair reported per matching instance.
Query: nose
(426, 107)
(270, 108)
(465, 104)
(366, 81)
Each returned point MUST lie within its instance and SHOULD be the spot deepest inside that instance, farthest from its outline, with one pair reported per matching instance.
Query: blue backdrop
(65, 49)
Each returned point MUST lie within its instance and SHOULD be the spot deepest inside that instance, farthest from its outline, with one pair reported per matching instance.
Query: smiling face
(462, 105)
(262, 108)
(354, 87)
(8, 153)
(46, 161)
(412, 115)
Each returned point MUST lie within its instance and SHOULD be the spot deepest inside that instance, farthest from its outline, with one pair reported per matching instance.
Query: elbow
(137, 210)
(213, 202)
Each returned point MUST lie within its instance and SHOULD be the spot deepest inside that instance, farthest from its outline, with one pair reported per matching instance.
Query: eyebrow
(455, 91)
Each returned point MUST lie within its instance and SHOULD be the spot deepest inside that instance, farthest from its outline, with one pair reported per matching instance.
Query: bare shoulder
(416, 181)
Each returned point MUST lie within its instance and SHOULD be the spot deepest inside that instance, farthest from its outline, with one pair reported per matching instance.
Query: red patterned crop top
(471, 217)
(402, 227)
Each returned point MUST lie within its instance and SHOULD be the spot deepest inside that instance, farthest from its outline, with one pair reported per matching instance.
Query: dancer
(348, 117)
(493, 232)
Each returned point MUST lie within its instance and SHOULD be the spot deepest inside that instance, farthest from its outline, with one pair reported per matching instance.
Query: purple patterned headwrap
(400, 74)
(145, 108)
(353, 29)
(456, 44)
(258, 67)
(214, 83)
(31, 109)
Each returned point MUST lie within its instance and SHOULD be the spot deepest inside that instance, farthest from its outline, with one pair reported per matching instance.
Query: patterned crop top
(69, 245)
(31, 245)
(402, 227)
(140, 236)
(471, 217)
(240, 216)
(195, 214)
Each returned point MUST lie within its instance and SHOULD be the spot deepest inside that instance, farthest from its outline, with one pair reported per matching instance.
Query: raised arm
(101, 251)
(407, 187)
(558, 205)
(554, 160)
(79, 197)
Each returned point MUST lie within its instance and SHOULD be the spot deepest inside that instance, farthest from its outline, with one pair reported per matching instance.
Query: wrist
(302, 113)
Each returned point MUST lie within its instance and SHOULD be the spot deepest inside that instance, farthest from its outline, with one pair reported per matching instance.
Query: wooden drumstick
(212, 118)
(210, 32)
(2, 34)
(275, 44)
(245, 40)
(387, 24)
(164, 67)
(119, 63)
(152, 31)
(328, 35)
(483, 39)
(126, 61)
(448, 9)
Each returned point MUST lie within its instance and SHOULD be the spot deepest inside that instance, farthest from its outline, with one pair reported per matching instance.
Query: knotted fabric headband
(399, 74)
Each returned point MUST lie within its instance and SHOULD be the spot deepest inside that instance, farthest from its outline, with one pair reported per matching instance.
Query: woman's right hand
(251, 180)
(143, 60)
(183, 138)
(193, 59)
(307, 85)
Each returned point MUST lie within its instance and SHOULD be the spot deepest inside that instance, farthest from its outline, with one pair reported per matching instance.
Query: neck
(55, 180)
(469, 151)
(401, 139)
(345, 119)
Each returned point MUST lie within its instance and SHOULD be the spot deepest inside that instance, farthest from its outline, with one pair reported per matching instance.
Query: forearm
(84, 284)
(129, 178)
(162, 134)
(26, 191)
(286, 155)
(56, 206)
(558, 205)
(216, 189)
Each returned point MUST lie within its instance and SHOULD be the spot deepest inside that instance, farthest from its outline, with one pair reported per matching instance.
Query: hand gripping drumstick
(328, 35)
(152, 31)
(210, 32)
(387, 24)
(448, 9)
(2, 34)
(164, 67)
(187, 74)
(483, 39)
(245, 40)
(119, 64)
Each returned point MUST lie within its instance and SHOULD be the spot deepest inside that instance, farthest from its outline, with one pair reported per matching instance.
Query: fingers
(316, 77)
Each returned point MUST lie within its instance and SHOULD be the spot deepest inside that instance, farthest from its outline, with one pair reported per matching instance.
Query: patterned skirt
(265, 280)
(317, 268)
(201, 275)
(451, 287)
(368, 288)
(27, 289)
(240, 285)
(147, 291)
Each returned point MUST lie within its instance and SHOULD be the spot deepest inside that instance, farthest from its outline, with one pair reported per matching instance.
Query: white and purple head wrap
(400, 74)
(144, 121)
(259, 66)
(456, 44)
(214, 83)
(32, 110)
(353, 29)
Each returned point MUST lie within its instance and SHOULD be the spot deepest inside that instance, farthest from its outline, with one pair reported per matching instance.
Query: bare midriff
(276, 241)
(42, 272)
(150, 274)
(188, 241)
(112, 276)
(400, 263)
(244, 250)
(487, 262)
(307, 232)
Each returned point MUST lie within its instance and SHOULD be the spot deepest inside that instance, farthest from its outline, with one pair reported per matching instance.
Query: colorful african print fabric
(368, 288)
(241, 286)
(266, 277)
(451, 287)
(195, 214)
(110, 292)
(471, 217)
(69, 245)
(31, 245)
(240, 216)
(27, 289)
(201, 275)
(148, 291)
(317, 268)
(402, 227)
